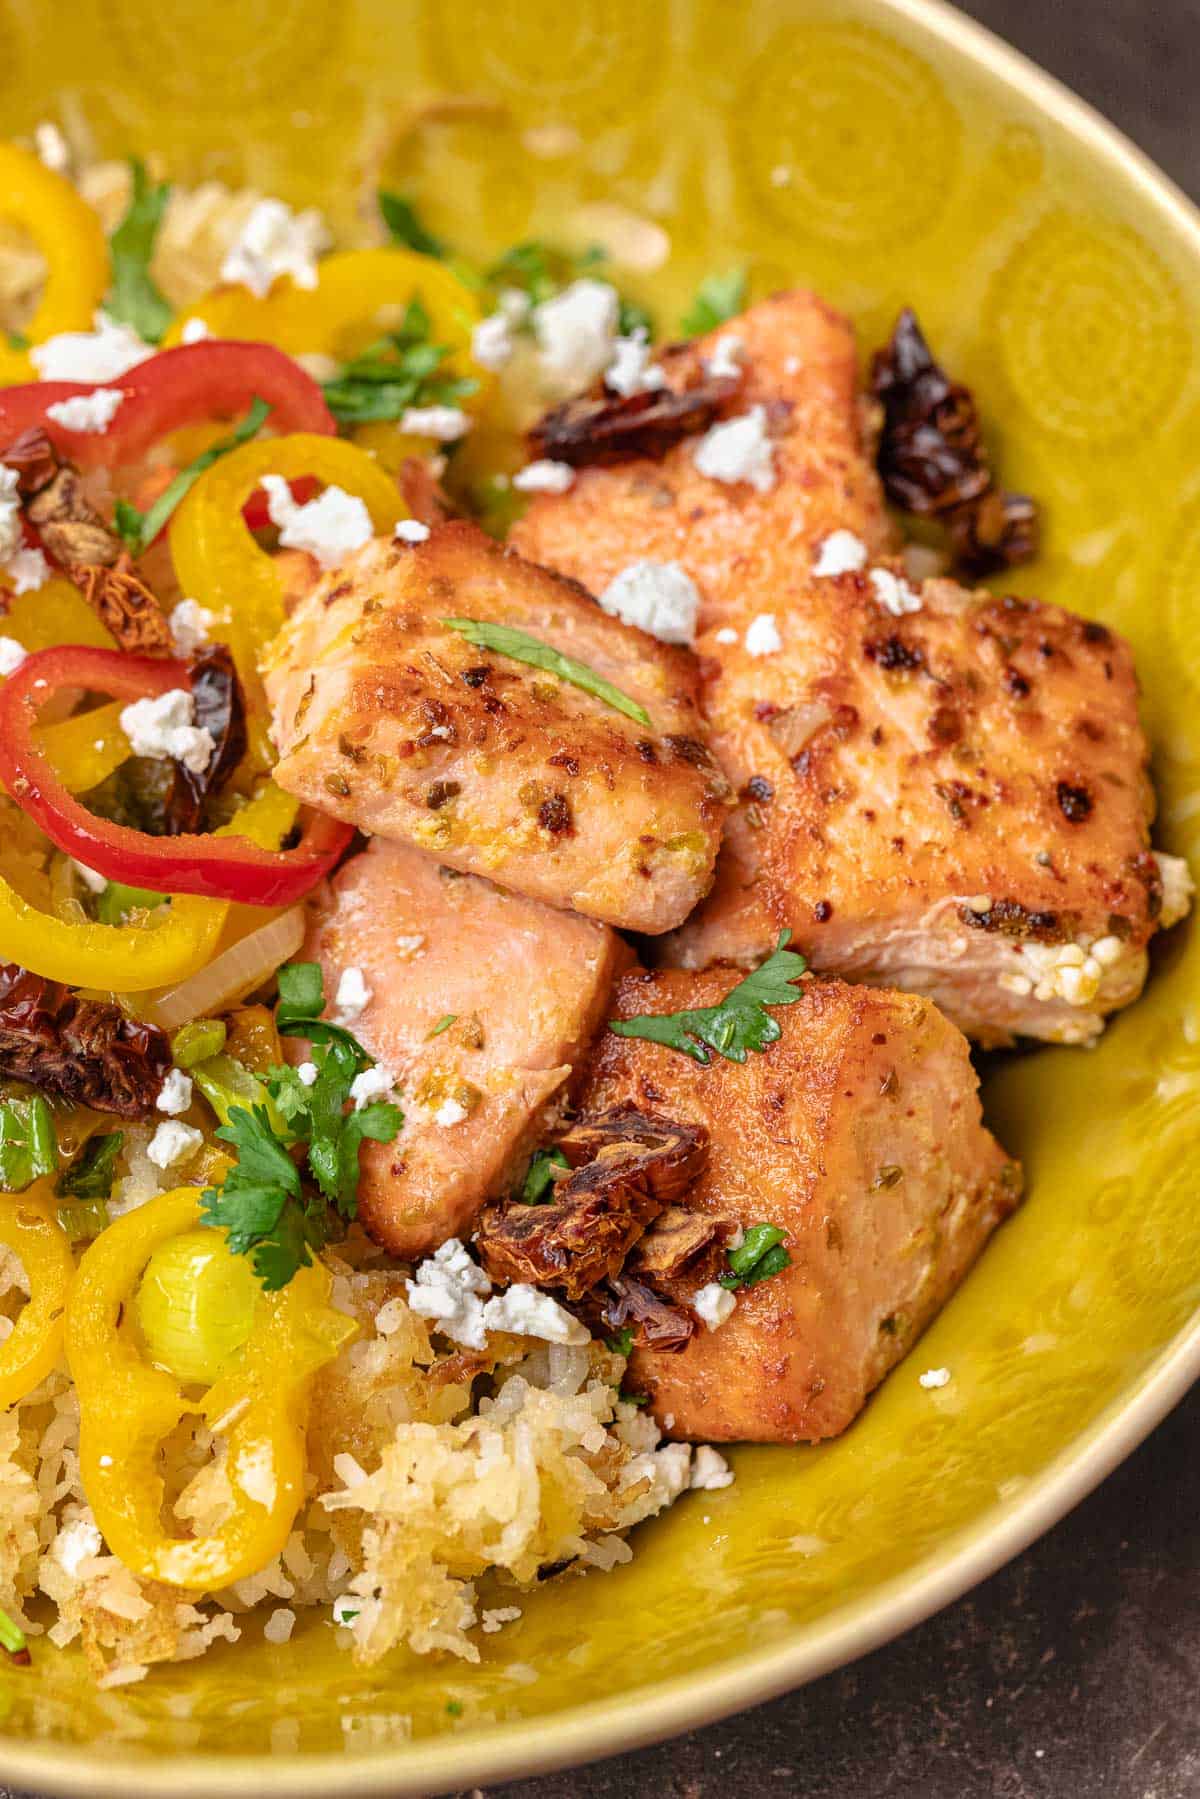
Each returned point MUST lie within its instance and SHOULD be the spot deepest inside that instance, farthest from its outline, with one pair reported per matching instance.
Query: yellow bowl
(884, 151)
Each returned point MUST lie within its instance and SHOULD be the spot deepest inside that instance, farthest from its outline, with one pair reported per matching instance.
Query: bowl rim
(652, 1714)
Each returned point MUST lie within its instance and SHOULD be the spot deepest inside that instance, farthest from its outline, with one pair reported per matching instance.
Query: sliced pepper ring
(29, 1227)
(69, 236)
(128, 1407)
(216, 866)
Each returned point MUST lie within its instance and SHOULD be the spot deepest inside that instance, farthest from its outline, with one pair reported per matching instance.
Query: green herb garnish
(539, 1180)
(139, 529)
(117, 901)
(91, 1174)
(17, 340)
(718, 299)
(621, 1342)
(634, 1398)
(12, 1639)
(741, 1021)
(759, 1255)
(399, 370)
(263, 1203)
(443, 1024)
(453, 1707)
(134, 298)
(506, 640)
(28, 1144)
(404, 227)
(542, 270)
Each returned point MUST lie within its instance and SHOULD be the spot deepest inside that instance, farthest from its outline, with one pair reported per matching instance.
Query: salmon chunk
(858, 1132)
(387, 717)
(938, 790)
(479, 1004)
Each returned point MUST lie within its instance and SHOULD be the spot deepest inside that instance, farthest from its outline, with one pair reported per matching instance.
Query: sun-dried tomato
(604, 427)
(221, 711)
(80, 1049)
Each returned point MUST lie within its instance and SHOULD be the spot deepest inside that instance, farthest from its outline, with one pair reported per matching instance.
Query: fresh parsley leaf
(139, 529)
(134, 298)
(718, 298)
(634, 317)
(757, 1257)
(28, 1143)
(91, 1174)
(506, 640)
(287, 1247)
(376, 1123)
(536, 1187)
(634, 1398)
(443, 1024)
(399, 370)
(542, 270)
(404, 227)
(741, 1021)
(301, 994)
(621, 1343)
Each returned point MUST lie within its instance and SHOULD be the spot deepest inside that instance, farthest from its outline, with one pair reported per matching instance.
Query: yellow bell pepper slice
(87, 747)
(174, 942)
(29, 1227)
(128, 1406)
(52, 614)
(217, 559)
(69, 236)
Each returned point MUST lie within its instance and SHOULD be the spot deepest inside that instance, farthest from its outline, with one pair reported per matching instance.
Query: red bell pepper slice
(184, 386)
(230, 868)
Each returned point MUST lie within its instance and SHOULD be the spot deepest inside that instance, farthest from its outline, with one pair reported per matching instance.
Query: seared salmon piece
(939, 790)
(859, 1133)
(480, 1004)
(387, 717)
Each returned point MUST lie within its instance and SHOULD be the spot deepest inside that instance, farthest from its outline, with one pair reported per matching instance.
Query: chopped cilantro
(634, 1398)
(404, 227)
(12, 1638)
(17, 340)
(443, 1024)
(139, 529)
(28, 1144)
(454, 1708)
(538, 1182)
(542, 270)
(757, 1258)
(741, 1021)
(621, 1342)
(506, 640)
(718, 298)
(134, 298)
(91, 1174)
(262, 1203)
(399, 370)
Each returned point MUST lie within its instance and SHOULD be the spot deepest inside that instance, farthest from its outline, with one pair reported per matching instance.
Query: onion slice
(245, 965)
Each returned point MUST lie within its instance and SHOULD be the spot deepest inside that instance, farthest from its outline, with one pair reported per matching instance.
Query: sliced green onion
(198, 1041)
(226, 1083)
(12, 1638)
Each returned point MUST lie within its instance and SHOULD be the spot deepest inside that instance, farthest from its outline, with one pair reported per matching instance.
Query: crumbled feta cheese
(659, 597)
(411, 530)
(51, 146)
(95, 883)
(500, 1615)
(280, 1625)
(165, 726)
(307, 1073)
(1020, 984)
(762, 636)
(10, 511)
(103, 354)
(710, 1470)
(893, 593)
(12, 654)
(76, 1543)
(329, 527)
(1178, 887)
(27, 570)
(575, 332)
(446, 423)
(173, 1141)
(544, 477)
(190, 624)
(1108, 951)
(492, 342)
(713, 1305)
(449, 1113)
(727, 634)
(410, 946)
(1062, 971)
(447, 1289)
(92, 412)
(935, 1377)
(353, 994)
(631, 370)
(841, 553)
(372, 1083)
(528, 1312)
(739, 449)
(276, 241)
(175, 1094)
(725, 363)
(194, 332)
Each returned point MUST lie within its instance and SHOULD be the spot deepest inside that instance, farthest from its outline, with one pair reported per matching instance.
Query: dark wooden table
(1074, 1673)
